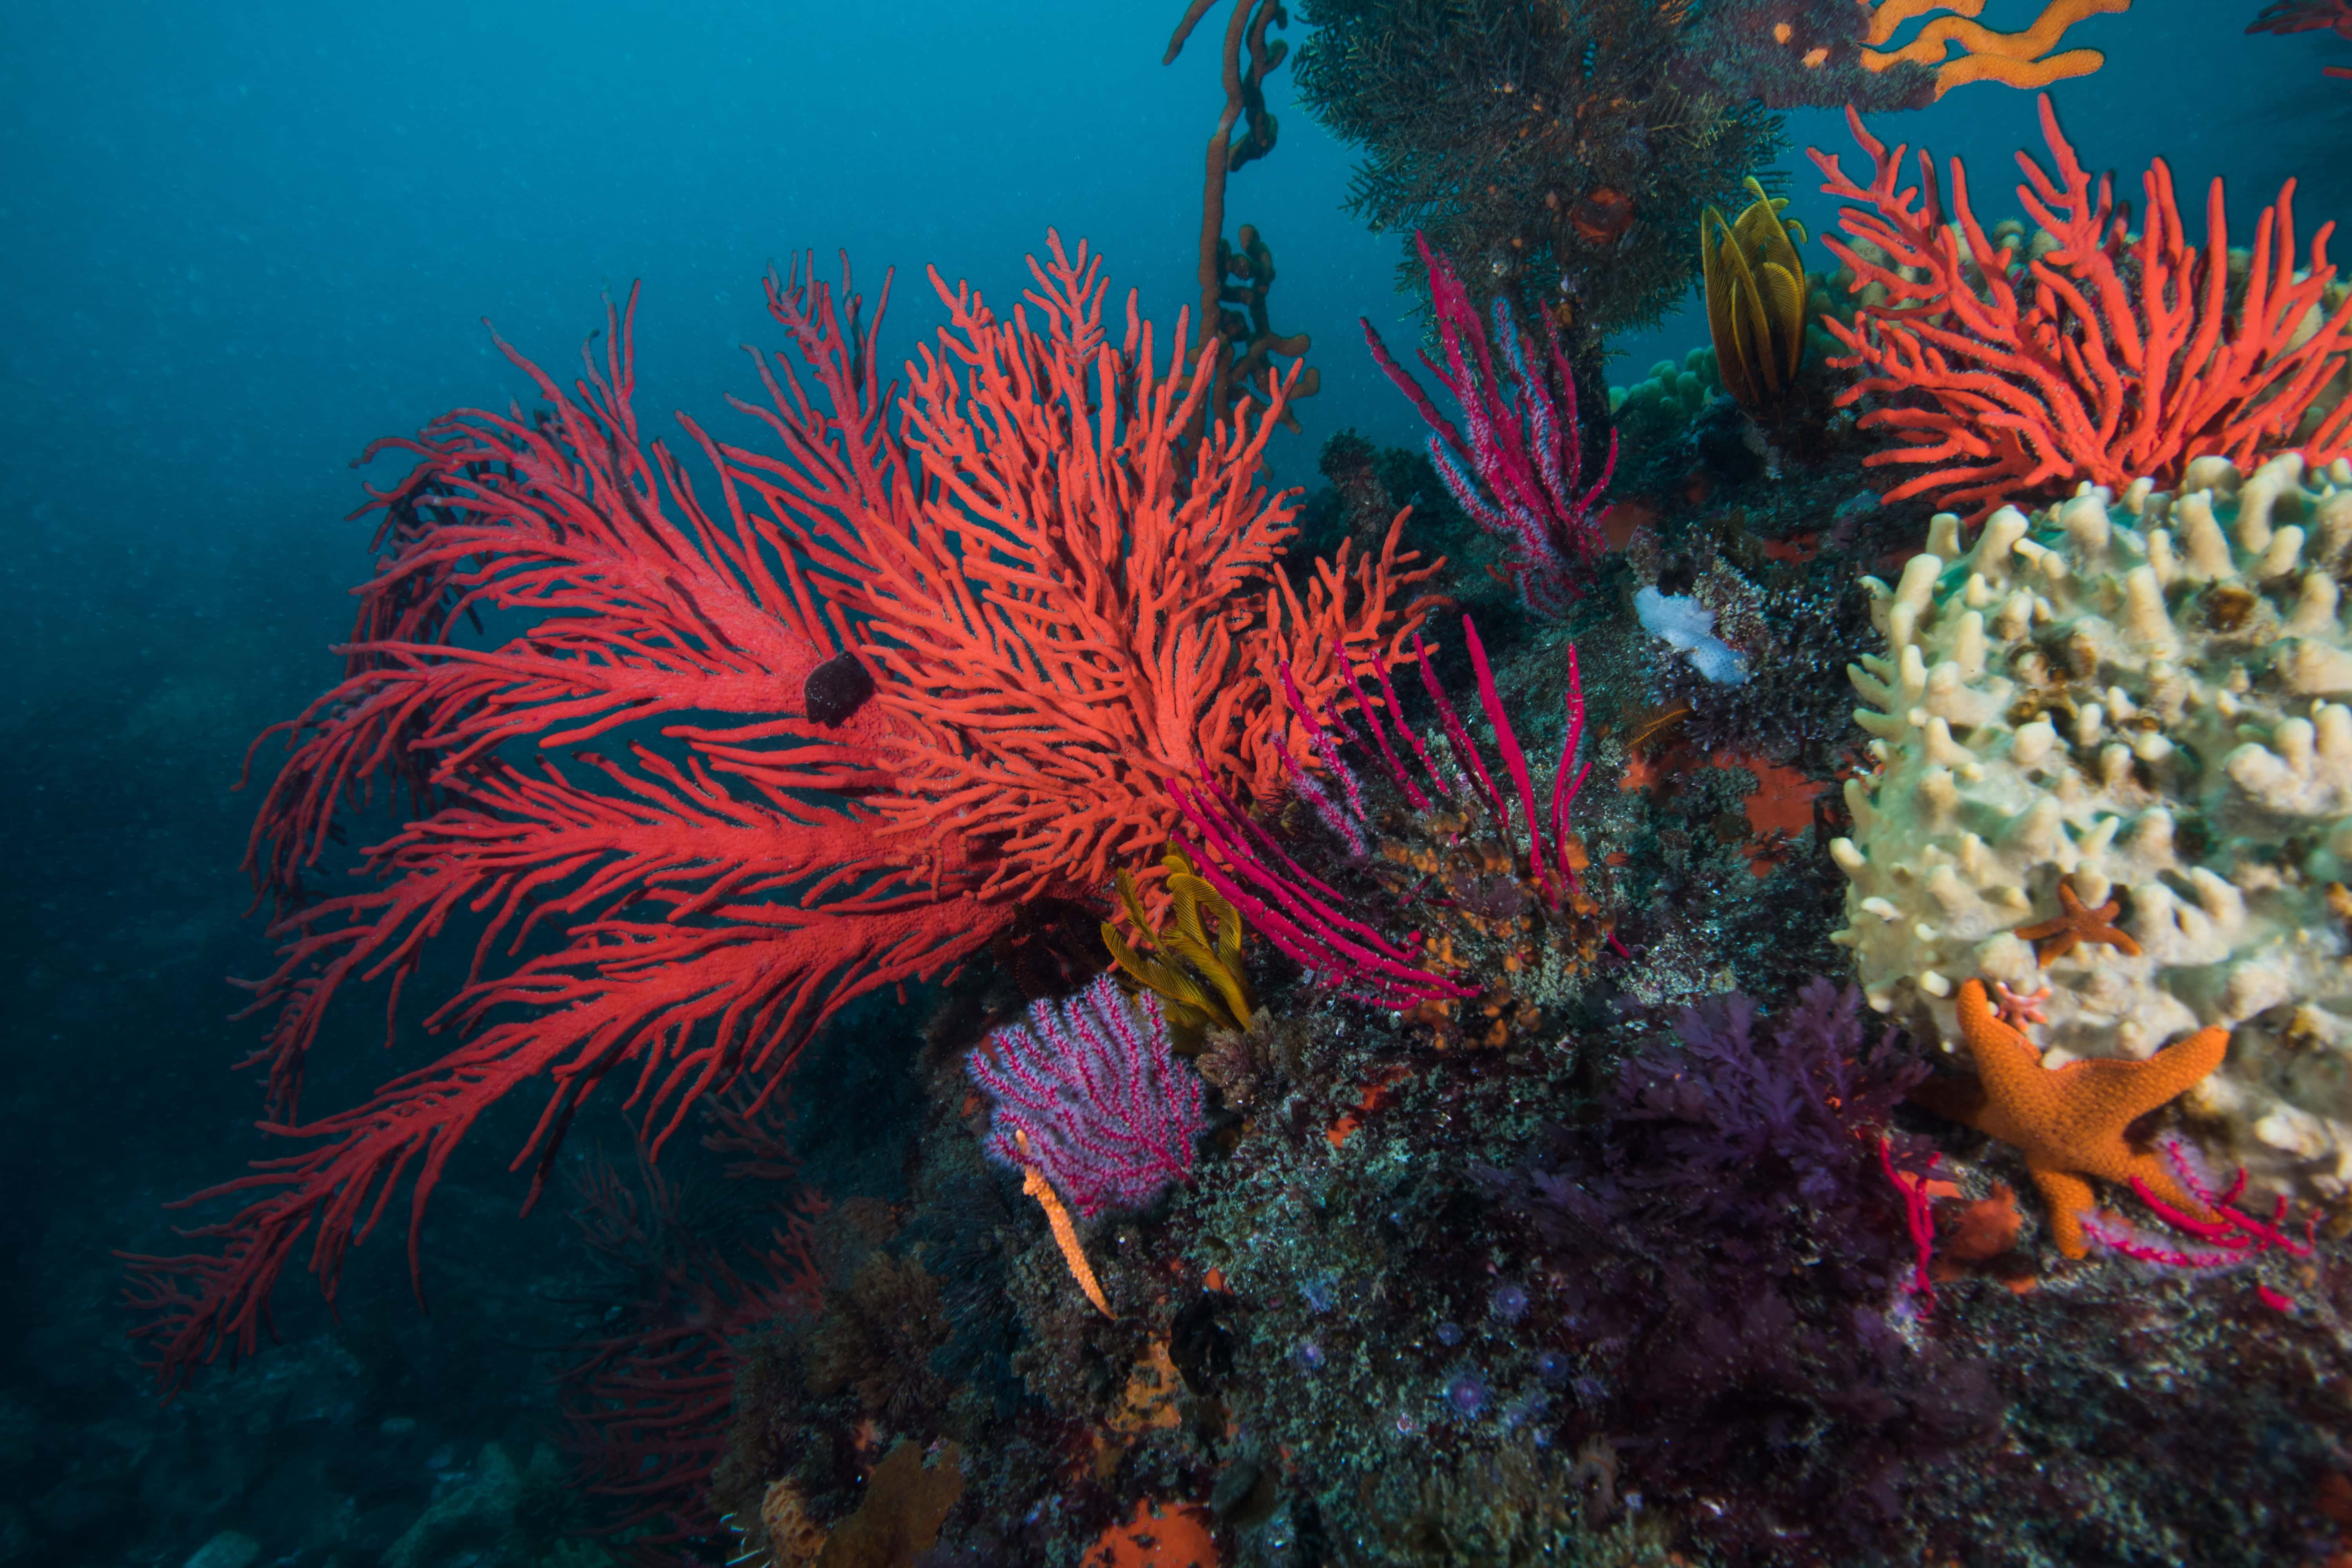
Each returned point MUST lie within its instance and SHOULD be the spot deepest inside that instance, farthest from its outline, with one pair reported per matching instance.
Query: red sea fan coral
(885, 683)
(713, 909)
(1085, 610)
(2109, 357)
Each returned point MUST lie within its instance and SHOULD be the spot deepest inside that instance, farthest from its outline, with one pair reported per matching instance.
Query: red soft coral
(2107, 358)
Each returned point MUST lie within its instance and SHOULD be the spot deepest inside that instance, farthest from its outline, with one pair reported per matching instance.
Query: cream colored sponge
(2143, 699)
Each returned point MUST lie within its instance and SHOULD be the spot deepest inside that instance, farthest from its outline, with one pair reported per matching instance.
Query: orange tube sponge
(2019, 59)
(1065, 1236)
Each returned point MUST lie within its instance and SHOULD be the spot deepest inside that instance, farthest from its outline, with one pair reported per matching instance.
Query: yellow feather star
(1756, 297)
(1199, 975)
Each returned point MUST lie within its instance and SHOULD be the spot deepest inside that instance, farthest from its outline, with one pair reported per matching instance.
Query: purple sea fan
(1089, 1094)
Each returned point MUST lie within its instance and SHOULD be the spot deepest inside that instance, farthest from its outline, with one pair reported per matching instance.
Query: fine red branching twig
(690, 907)
(648, 1400)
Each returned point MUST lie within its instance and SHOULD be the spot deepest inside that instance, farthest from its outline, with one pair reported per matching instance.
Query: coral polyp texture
(1089, 1093)
(2115, 759)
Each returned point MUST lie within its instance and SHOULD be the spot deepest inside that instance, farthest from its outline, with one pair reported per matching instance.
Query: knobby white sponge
(2146, 698)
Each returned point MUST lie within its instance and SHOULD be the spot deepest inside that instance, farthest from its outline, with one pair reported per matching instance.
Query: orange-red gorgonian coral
(1084, 609)
(933, 655)
(2107, 357)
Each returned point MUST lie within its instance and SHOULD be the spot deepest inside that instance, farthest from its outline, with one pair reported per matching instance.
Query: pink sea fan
(1089, 1093)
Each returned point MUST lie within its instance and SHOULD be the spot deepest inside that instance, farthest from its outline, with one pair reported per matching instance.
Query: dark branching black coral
(876, 1339)
(1559, 153)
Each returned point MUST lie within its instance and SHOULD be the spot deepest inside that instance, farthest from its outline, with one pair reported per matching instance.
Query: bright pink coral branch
(1311, 922)
(1302, 916)
(1918, 1218)
(2304, 17)
(1519, 473)
(2230, 1237)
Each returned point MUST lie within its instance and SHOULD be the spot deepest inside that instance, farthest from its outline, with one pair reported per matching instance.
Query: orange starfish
(2018, 1011)
(2075, 925)
(2069, 1121)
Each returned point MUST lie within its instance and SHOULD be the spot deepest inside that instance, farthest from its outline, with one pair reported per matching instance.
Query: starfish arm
(2115, 1092)
(2068, 1198)
(2152, 1173)
(2006, 1063)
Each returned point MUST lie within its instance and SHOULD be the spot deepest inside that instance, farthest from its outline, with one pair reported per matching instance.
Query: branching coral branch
(702, 929)
(2225, 1238)
(1315, 923)
(1305, 917)
(2022, 59)
(1521, 472)
(649, 1398)
(1085, 610)
(2110, 357)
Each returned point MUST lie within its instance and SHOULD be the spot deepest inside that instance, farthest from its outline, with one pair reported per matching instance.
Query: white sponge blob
(1688, 626)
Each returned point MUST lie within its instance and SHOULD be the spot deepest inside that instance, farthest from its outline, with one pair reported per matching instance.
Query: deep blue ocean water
(241, 241)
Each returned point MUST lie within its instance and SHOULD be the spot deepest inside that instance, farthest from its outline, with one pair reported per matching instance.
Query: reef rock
(2145, 700)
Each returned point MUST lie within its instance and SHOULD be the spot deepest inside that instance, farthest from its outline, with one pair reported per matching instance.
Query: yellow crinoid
(1756, 297)
(1196, 971)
